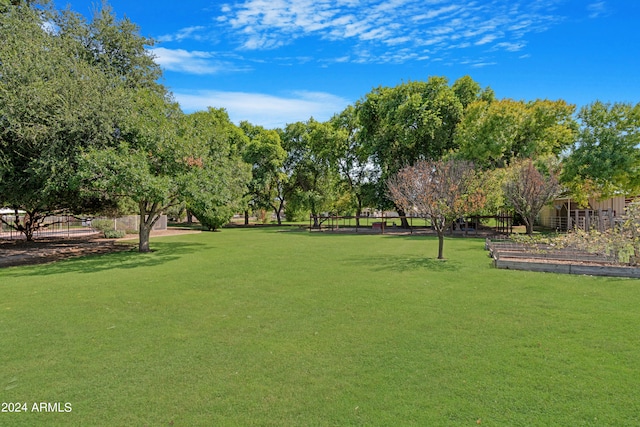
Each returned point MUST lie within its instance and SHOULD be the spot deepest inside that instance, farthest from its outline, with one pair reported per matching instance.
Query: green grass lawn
(271, 328)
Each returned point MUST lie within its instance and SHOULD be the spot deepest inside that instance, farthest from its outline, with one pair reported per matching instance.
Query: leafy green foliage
(266, 156)
(102, 225)
(53, 103)
(164, 158)
(312, 176)
(113, 46)
(216, 186)
(496, 133)
(412, 121)
(606, 159)
(352, 157)
(114, 234)
(212, 217)
(107, 227)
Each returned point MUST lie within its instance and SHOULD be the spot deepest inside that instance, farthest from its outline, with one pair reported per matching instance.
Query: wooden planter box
(568, 268)
(512, 256)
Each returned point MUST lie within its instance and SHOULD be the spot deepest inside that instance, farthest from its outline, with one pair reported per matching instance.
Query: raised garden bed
(545, 258)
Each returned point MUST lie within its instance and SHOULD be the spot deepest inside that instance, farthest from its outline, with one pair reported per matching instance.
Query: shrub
(114, 234)
(213, 219)
(102, 224)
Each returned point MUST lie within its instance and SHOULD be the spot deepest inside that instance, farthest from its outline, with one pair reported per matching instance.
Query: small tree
(266, 156)
(439, 191)
(527, 190)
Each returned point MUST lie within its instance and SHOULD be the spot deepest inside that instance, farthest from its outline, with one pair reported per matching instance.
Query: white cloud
(270, 111)
(184, 33)
(375, 25)
(192, 62)
(482, 64)
(436, 13)
(510, 47)
(597, 9)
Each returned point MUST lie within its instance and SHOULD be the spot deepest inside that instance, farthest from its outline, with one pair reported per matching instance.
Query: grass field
(287, 328)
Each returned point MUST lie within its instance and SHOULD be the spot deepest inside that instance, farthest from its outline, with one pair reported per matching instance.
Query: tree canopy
(85, 124)
(410, 122)
(605, 159)
(496, 133)
(312, 177)
(53, 104)
(266, 156)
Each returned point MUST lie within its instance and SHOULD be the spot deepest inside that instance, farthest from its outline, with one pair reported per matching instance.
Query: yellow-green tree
(495, 133)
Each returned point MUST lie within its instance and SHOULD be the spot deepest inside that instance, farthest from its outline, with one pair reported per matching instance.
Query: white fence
(132, 223)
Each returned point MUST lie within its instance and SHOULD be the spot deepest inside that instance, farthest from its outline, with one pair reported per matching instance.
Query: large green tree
(219, 187)
(495, 133)
(163, 158)
(147, 163)
(412, 121)
(312, 177)
(266, 156)
(52, 104)
(352, 158)
(605, 160)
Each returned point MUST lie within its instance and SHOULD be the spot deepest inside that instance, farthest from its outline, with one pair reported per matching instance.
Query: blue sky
(274, 62)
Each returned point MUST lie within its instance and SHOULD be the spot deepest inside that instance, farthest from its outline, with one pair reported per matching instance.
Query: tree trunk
(358, 210)
(278, 210)
(144, 234)
(403, 218)
(29, 225)
(189, 217)
(441, 244)
(148, 218)
(246, 217)
(529, 224)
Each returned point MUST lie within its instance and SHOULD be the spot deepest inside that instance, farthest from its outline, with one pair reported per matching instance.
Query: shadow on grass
(407, 263)
(162, 252)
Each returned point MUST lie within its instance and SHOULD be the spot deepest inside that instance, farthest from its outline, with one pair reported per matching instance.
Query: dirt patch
(21, 252)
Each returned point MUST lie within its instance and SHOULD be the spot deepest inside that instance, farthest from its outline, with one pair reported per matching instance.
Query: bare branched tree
(528, 190)
(440, 191)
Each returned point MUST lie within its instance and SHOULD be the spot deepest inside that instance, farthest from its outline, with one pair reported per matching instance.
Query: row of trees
(86, 127)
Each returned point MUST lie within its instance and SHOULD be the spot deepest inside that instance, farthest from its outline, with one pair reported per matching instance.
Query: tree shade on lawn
(265, 327)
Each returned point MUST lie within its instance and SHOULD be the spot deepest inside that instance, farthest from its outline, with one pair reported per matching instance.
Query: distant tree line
(86, 127)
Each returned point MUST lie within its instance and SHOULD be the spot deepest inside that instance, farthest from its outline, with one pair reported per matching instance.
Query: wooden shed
(565, 214)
